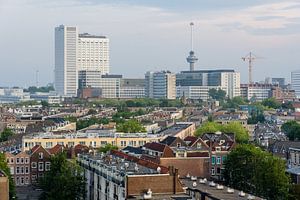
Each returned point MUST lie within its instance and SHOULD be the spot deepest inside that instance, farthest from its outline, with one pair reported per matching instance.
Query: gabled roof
(56, 149)
(134, 150)
(190, 140)
(35, 148)
(155, 146)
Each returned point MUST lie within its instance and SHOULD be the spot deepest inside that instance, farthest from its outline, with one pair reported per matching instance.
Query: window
(18, 160)
(22, 160)
(26, 170)
(178, 144)
(12, 170)
(218, 148)
(11, 160)
(26, 160)
(213, 160)
(123, 143)
(33, 165)
(33, 177)
(47, 166)
(219, 160)
(22, 170)
(17, 170)
(70, 144)
(41, 166)
(41, 155)
(82, 142)
(223, 159)
(213, 171)
(199, 145)
(26, 180)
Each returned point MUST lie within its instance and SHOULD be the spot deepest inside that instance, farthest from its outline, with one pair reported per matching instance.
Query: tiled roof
(56, 149)
(155, 146)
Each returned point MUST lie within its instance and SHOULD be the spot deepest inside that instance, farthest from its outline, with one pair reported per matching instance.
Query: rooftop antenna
(191, 59)
(250, 58)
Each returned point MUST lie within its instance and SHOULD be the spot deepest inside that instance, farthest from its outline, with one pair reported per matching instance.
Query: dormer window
(218, 148)
(178, 145)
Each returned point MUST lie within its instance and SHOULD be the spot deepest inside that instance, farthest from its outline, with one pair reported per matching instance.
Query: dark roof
(197, 154)
(155, 146)
(190, 140)
(134, 150)
(168, 140)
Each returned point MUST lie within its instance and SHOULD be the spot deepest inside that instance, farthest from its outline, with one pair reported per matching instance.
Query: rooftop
(87, 35)
(213, 192)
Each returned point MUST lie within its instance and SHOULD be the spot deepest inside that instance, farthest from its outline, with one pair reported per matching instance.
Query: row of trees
(252, 170)
(241, 134)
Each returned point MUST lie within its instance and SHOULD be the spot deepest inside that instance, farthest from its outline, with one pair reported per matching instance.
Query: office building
(77, 52)
(295, 82)
(66, 38)
(256, 91)
(93, 53)
(196, 84)
(278, 81)
(160, 85)
(132, 88)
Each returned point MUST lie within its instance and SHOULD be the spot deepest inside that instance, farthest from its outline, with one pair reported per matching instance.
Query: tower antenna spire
(191, 59)
(192, 45)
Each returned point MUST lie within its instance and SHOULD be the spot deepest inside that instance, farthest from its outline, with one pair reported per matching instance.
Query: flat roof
(209, 71)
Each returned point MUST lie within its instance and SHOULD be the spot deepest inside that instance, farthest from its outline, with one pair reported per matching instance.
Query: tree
(271, 103)
(45, 104)
(131, 126)
(92, 112)
(241, 134)
(107, 148)
(252, 170)
(291, 129)
(6, 133)
(235, 102)
(6, 170)
(63, 181)
(217, 94)
(208, 127)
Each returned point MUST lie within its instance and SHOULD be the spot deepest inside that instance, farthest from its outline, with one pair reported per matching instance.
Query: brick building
(39, 162)
(19, 165)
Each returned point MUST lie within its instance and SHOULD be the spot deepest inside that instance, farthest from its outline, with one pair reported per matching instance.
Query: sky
(153, 35)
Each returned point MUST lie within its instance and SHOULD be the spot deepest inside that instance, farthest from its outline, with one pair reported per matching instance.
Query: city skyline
(153, 36)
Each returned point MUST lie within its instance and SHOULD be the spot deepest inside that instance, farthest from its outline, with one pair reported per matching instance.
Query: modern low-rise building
(196, 84)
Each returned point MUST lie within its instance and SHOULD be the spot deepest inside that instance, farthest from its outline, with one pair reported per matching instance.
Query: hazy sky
(152, 35)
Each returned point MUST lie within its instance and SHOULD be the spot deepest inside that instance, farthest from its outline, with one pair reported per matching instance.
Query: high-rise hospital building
(77, 52)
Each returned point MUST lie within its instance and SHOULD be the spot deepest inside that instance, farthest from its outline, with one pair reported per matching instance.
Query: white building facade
(295, 82)
(78, 52)
(66, 81)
